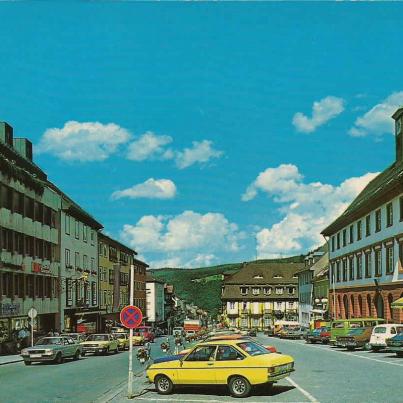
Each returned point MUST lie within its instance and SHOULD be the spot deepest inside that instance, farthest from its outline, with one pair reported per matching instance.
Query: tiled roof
(390, 179)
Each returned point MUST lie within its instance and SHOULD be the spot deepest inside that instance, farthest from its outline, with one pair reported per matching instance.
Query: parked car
(190, 335)
(381, 333)
(146, 332)
(252, 333)
(52, 349)
(100, 344)
(138, 340)
(395, 344)
(77, 337)
(320, 335)
(356, 338)
(239, 364)
(341, 327)
(269, 331)
(123, 340)
(178, 331)
(294, 333)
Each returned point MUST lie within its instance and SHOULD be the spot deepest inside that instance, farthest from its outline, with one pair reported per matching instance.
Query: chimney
(398, 117)
(23, 147)
(6, 134)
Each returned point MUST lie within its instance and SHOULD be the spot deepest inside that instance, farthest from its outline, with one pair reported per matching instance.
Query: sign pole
(130, 380)
(32, 313)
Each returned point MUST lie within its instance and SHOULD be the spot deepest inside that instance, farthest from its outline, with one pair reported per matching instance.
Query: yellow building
(114, 274)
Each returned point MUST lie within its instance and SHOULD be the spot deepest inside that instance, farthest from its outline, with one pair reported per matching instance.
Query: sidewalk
(9, 359)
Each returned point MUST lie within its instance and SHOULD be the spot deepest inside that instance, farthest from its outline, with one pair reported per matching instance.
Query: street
(323, 374)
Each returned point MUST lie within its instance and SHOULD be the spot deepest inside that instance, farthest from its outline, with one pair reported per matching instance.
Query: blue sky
(175, 109)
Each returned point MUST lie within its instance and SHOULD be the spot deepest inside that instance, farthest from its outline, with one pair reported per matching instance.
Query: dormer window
(279, 290)
(291, 290)
(255, 290)
(267, 290)
(258, 277)
(244, 290)
(277, 276)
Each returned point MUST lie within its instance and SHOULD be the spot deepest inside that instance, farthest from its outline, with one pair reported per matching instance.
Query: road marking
(175, 399)
(345, 352)
(303, 391)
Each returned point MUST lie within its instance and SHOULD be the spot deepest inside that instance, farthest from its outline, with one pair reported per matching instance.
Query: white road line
(178, 399)
(303, 391)
(345, 353)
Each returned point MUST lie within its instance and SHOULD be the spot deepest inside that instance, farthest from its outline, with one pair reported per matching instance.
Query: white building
(155, 301)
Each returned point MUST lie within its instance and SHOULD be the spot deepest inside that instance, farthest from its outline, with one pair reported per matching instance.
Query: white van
(382, 332)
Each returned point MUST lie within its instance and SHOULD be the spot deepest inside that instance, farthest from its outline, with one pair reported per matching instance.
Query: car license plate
(36, 355)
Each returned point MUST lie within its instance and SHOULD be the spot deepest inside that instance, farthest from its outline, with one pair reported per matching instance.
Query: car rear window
(253, 349)
(379, 330)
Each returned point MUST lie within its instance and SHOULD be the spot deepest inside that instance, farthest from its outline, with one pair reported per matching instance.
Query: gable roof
(383, 187)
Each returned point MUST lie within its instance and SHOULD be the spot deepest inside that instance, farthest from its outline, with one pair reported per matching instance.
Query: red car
(146, 332)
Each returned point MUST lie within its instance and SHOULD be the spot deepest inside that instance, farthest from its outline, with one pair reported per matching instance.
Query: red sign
(131, 316)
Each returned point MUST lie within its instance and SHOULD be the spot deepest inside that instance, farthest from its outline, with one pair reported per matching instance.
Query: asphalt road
(323, 374)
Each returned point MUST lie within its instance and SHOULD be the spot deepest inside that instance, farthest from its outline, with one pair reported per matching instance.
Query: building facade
(115, 260)
(79, 268)
(320, 291)
(366, 246)
(140, 269)
(261, 293)
(29, 240)
(155, 301)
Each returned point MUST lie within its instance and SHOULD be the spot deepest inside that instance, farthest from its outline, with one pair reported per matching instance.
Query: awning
(398, 303)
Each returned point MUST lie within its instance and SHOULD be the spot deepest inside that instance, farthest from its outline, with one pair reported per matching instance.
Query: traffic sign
(32, 313)
(131, 316)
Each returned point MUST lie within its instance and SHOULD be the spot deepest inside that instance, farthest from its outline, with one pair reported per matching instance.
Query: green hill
(202, 286)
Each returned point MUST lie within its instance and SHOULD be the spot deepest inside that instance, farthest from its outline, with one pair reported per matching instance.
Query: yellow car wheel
(239, 386)
(163, 385)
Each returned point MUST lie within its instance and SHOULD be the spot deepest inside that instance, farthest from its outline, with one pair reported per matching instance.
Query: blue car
(395, 344)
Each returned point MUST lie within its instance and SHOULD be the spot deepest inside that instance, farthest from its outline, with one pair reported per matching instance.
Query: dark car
(252, 333)
(356, 338)
(395, 344)
(319, 335)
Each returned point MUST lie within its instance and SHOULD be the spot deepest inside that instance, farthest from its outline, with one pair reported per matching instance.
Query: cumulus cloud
(149, 146)
(305, 208)
(322, 111)
(181, 238)
(150, 189)
(83, 141)
(200, 152)
(378, 121)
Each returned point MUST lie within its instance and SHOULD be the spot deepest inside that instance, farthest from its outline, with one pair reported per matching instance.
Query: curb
(12, 362)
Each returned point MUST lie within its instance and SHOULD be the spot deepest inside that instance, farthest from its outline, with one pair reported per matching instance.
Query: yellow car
(138, 340)
(240, 364)
(123, 340)
(100, 344)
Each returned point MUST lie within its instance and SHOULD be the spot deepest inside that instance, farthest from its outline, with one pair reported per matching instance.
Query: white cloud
(83, 141)
(200, 152)
(378, 120)
(149, 146)
(190, 238)
(305, 208)
(322, 111)
(150, 189)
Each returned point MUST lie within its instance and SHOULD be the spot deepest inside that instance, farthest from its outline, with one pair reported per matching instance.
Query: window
(67, 258)
(359, 266)
(77, 260)
(111, 276)
(401, 208)
(232, 305)
(378, 220)
(92, 237)
(255, 291)
(378, 262)
(333, 243)
(228, 353)
(85, 233)
(389, 260)
(69, 292)
(77, 229)
(351, 266)
(344, 237)
(368, 225)
(389, 215)
(291, 290)
(203, 353)
(267, 290)
(338, 240)
(359, 230)
(351, 233)
(344, 269)
(92, 264)
(67, 224)
(244, 290)
(368, 265)
(85, 262)
(279, 290)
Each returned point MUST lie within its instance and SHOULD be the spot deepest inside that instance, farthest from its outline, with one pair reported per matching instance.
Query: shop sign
(9, 309)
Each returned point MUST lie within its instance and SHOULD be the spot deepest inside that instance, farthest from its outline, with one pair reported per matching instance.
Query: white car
(382, 332)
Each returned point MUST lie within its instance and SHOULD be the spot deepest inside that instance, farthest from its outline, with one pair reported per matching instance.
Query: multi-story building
(366, 246)
(29, 239)
(140, 286)
(79, 268)
(261, 293)
(155, 301)
(115, 260)
(320, 289)
(305, 286)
